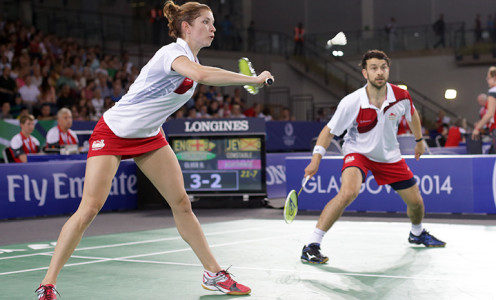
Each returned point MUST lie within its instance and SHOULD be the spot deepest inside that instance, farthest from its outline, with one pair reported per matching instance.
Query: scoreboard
(220, 156)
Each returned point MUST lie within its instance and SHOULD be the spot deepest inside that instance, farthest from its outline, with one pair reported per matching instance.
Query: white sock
(417, 229)
(317, 236)
(211, 274)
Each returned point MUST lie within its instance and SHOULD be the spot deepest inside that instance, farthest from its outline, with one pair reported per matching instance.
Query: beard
(378, 86)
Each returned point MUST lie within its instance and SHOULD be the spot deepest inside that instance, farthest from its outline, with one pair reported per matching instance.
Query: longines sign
(215, 126)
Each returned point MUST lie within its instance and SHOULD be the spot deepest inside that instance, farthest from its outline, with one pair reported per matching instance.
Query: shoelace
(42, 290)
(227, 275)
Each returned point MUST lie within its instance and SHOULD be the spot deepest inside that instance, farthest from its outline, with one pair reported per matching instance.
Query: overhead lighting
(402, 86)
(450, 94)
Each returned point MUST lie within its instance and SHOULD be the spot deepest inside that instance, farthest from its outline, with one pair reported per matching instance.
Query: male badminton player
(132, 128)
(371, 116)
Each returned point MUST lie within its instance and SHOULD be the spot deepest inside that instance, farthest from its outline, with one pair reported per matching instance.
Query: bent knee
(87, 214)
(347, 196)
(182, 204)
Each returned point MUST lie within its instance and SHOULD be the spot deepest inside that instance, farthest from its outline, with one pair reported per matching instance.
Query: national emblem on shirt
(184, 87)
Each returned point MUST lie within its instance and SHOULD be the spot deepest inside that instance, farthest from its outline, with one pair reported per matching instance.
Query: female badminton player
(132, 128)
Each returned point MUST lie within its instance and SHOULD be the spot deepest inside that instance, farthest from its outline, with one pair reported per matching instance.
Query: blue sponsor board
(448, 184)
(42, 189)
(275, 175)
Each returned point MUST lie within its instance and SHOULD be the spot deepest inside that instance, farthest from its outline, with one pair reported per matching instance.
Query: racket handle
(269, 81)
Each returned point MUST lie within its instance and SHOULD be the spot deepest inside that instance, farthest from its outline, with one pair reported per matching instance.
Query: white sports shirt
(156, 94)
(371, 130)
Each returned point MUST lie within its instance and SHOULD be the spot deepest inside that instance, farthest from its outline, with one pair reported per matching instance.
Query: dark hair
(374, 54)
(176, 15)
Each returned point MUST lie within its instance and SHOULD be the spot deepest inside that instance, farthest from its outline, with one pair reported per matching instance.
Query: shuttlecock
(339, 40)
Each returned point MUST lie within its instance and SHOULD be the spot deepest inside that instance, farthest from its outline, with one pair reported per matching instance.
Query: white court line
(139, 255)
(132, 243)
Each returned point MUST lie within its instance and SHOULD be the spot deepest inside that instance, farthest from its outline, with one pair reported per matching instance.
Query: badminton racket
(291, 204)
(246, 68)
(338, 40)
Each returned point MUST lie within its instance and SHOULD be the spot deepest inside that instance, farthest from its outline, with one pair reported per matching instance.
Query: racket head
(246, 68)
(291, 207)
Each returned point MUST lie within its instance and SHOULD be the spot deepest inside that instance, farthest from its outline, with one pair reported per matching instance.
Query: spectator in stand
(227, 106)
(442, 121)
(97, 102)
(236, 112)
(286, 115)
(5, 113)
(29, 92)
(107, 103)
(478, 29)
(117, 91)
(87, 92)
(490, 115)
(47, 95)
(192, 113)
(65, 98)
(299, 39)
(214, 109)
(17, 107)
(23, 143)
(456, 133)
(102, 83)
(61, 134)
(439, 29)
(391, 32)
(203, 112)
(8, 86)
(36, 78)
(266, 114)
(253, 111)
(46, 113)
(482, 100)
(66, 79)
(237, 99)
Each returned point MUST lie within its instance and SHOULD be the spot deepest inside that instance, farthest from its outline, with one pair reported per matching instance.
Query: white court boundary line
(130, 243)
(130, 259)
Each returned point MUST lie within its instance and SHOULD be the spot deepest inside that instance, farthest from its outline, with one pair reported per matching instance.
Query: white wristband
(320, 150)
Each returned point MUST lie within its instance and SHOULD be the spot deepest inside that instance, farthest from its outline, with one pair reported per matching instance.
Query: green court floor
(368, 260)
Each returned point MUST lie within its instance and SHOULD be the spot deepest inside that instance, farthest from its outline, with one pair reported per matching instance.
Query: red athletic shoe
(46, 292)
(223, 282)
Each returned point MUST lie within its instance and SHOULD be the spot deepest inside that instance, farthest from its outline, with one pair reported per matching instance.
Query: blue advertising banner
(53, 188)
(291, 136)
(276, 173)
(448, 184)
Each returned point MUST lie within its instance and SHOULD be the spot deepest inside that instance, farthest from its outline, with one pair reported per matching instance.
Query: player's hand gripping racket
(291, 204)
(246, 68)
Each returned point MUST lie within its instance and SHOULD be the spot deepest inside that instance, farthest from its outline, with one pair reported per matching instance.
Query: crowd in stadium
(42, 73)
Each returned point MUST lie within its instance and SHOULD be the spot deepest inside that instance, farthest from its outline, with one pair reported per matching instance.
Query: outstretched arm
(216, 76)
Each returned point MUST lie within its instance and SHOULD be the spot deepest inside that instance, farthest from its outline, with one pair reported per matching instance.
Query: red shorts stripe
(384, 173)
(104, 142)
